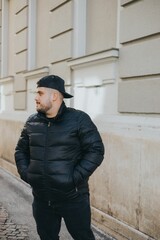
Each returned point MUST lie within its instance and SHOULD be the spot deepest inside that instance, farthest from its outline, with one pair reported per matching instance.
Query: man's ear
(54, 95)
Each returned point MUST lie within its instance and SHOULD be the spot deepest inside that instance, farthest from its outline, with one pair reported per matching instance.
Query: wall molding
(111, 55)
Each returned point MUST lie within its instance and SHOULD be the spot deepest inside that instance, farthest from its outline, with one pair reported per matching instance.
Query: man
(59, 148)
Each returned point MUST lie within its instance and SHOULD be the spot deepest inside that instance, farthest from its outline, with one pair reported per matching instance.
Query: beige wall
(114, 77)
(104, 37)
(139, 57)
(57, 36)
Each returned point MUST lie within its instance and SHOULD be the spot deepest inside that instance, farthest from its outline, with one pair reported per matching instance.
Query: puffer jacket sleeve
(22, 156)
(92, 149)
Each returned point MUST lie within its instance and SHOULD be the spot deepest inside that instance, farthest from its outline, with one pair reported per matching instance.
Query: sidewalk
(16, 221)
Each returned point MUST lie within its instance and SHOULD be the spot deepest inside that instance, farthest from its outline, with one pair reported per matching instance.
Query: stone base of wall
(10, 132)
(10, 167)
(115, 228)
(124, 189)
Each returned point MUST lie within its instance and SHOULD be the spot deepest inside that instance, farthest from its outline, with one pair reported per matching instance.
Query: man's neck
(53, 111)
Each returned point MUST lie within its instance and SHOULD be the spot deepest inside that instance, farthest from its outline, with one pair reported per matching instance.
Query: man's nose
(36, 97)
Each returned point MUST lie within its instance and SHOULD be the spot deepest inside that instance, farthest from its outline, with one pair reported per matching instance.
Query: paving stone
(9, 230)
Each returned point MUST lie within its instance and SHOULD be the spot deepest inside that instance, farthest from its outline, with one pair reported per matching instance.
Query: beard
(43, 108)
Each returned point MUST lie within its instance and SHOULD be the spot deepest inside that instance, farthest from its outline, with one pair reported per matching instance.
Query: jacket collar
(58, 117)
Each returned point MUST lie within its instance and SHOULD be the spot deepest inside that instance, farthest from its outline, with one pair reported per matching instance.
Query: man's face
(43, 99)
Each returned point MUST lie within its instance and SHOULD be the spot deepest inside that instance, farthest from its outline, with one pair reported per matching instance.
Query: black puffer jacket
(57, 156)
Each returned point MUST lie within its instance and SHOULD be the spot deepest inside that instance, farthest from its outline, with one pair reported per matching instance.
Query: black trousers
(76, 214)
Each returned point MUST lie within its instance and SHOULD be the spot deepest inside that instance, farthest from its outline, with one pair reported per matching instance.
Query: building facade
(108, 53)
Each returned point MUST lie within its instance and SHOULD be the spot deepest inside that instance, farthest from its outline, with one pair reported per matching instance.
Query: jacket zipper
(45, 160)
